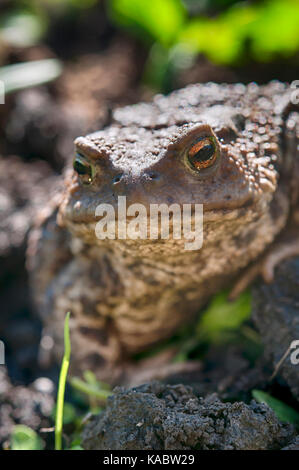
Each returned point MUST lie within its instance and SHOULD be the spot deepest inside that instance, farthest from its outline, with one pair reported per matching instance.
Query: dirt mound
(163, 417)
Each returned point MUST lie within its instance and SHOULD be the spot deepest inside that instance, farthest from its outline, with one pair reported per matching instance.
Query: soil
(163, 417)
(31, 406)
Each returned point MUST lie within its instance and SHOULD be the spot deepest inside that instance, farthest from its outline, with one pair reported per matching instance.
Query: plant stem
(61, 385)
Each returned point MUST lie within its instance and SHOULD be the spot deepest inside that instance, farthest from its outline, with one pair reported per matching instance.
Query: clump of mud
(162, 417)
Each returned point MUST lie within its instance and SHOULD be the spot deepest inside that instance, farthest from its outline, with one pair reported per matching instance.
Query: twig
(280, 362)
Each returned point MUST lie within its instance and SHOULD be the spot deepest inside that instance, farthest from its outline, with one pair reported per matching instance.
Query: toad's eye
(83, 168)
(203, 153)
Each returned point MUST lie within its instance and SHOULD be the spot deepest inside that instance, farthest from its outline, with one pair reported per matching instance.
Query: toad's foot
(265, 266)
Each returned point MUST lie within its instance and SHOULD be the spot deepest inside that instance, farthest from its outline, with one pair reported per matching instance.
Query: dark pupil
(204, 154)
(81, 167)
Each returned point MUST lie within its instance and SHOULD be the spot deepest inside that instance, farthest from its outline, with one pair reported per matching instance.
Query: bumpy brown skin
(126, 295)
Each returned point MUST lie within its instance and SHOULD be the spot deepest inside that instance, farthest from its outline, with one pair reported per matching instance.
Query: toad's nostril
(154, 176)
(117, 179)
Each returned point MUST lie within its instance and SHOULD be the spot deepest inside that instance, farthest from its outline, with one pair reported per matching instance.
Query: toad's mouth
(74, 213)
(187, 237)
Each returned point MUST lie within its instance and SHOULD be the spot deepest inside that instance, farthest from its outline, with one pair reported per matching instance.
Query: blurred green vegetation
(222, 322)
(24, 438)
(257, 30)
(234, 35)
(155, 20)
(174, 32)
(222, 317)
(25, 23)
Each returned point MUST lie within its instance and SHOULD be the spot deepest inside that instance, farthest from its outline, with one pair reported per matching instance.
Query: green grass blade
(89, 389)
(283, 412)
(61, 385)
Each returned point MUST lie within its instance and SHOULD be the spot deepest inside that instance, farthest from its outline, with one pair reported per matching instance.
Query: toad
(231, 148)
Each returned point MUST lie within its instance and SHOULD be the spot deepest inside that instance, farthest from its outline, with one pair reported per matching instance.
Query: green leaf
(91, 379)
(76, 444)
(283, 412)
(264, 30)
(25, 438)
(275, 30)
(29, 74)
(160, 19)
(216, 39)
(93, 390)
(223, 316)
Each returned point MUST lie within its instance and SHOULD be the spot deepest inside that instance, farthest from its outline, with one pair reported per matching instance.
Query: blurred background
(65, 64)
(98, 54)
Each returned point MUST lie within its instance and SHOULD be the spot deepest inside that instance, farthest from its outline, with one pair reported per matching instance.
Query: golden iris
(203, 153)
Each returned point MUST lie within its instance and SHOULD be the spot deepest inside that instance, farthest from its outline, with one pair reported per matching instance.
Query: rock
(276, 315)
(293, 445)
(162, 417)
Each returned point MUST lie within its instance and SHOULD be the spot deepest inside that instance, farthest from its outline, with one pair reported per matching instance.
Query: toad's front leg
(83, 288)
(287, 246)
